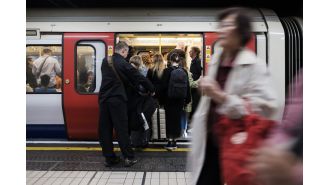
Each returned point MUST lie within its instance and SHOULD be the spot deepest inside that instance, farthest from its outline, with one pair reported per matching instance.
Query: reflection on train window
(43, 69)
(85, 65)
(163, 43)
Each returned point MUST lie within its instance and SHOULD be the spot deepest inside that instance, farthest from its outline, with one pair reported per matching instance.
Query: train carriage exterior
(90, 35)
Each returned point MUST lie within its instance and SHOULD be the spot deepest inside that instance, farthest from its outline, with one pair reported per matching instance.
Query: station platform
(52, 162)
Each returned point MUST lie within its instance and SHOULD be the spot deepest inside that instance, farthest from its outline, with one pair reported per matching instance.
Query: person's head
(177, 56)
(90, 76)
(234, 28)
(174, 58)
(159, 64)
(180, 45)
(131, 52)
(136, 61)
(121, 48)
(46, 51)
(147, 60)
(180, 52)
(44, 80)
(194, 52)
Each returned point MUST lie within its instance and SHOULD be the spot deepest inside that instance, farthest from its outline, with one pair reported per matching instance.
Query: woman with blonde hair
(155, 75)
(136, 62)
(147, 61)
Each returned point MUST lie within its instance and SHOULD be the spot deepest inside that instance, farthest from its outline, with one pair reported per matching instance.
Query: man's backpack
(178, 84)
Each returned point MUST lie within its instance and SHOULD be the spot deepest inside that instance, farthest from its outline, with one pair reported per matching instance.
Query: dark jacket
(196, 68)
(111, 86)
(157, 82)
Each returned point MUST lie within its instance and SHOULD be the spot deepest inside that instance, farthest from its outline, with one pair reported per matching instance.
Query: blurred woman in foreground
(235, 78)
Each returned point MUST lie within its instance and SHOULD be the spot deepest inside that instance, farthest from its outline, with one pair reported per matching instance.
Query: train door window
(35, 56)
(89, 56)
(151, 43)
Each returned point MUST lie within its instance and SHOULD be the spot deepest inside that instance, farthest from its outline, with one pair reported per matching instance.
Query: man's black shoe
(110, 161)
(129, 162)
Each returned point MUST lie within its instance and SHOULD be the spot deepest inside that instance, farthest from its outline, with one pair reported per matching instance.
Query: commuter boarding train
(82, 38)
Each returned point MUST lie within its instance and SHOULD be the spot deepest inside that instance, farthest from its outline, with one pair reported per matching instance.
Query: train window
(44, 69)
(151, 43)
(85, 68)
(89, 56)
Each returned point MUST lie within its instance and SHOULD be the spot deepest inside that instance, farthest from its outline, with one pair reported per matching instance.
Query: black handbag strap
(112, 66)
(40, 68)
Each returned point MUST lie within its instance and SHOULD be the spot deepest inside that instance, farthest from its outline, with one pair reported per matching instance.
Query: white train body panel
(276, 58)
(44, 109)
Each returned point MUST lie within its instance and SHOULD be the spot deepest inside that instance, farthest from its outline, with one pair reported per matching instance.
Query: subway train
(82, 38)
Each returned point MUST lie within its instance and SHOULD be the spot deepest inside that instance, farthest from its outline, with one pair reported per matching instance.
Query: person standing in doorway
(117, 77)
(196, 70)
(176, 84)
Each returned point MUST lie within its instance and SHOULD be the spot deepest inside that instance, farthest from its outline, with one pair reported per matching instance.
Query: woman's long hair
(146, 59)
(159, 65)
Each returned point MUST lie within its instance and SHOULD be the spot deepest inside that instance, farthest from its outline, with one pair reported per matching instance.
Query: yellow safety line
(99, 149)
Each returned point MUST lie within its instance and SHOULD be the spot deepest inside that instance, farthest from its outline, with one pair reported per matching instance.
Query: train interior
(143, 44)
(162, 43)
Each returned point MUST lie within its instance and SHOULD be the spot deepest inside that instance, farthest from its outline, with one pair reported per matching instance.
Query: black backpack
(178, 84)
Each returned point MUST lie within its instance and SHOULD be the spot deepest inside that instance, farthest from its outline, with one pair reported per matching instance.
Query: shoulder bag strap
(111, 65)
(120, 77)
(40, 68)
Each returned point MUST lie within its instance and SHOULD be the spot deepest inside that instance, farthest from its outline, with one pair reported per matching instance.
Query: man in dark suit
(118, 76)
(196, 70)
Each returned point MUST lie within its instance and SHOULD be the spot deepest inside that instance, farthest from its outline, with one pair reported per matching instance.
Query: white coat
(248, 79)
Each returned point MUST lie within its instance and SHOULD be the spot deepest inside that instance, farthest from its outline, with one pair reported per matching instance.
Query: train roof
(129, 15)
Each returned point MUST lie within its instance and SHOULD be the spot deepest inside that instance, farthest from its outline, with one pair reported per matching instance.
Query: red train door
(83, 55)
(210, 39)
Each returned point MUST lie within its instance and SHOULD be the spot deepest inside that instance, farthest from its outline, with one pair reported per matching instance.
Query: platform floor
(94, 161)
(106, 177)
(84, 164)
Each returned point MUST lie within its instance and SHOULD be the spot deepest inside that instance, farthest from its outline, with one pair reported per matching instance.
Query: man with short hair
(46, 65)
(195, 66)
(196, 70)
(118, 76)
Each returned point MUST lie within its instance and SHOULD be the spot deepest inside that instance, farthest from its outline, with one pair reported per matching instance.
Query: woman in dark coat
(155, 76)
(174, 106)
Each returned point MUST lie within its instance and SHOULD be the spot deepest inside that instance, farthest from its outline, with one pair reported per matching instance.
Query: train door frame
(80, 109)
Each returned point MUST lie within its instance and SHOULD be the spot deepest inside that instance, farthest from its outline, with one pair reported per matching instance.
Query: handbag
(237, 137)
